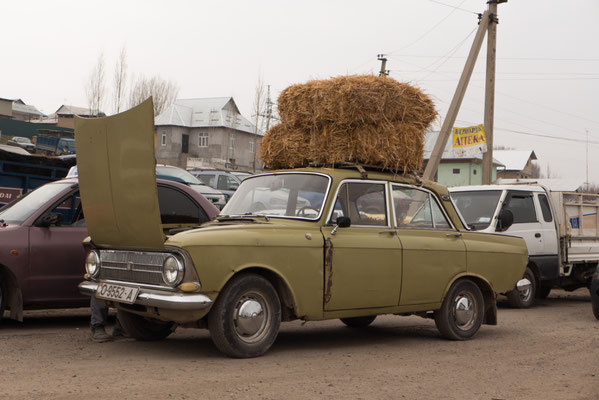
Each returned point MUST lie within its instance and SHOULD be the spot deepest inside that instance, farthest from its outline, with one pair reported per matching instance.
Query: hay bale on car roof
(368, 120)
(355, 100)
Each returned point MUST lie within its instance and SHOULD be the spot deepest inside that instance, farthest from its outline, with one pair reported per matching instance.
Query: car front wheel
(244, 321)
(141, 328)
(525, 299)
(462, 311)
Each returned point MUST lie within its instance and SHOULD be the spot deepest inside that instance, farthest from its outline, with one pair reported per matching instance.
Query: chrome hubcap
(251, 317)
(464, 311)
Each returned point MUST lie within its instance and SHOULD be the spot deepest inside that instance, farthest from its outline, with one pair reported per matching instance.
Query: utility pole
(487, 170)
(383, 60)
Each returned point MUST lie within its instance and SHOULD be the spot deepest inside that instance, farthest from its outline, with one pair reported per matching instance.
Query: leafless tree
(95, 87)
(163, 92)
(120, 80)
(535, 170)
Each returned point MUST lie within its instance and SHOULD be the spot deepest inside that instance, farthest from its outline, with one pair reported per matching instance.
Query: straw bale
(285, 148)
(351, 101)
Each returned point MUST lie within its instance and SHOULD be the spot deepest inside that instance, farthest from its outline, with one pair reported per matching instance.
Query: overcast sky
(547, 69)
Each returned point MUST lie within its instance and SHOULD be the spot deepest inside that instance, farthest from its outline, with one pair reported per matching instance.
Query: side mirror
(50, 219)
(504, 220)
(344, 222)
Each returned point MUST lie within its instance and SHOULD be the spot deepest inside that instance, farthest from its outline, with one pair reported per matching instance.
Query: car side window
(70, 209)
(364, 203)
(545, 209)
(227, 183)
(522, 207)
(416, 209)
(177, 207)
(207, 179)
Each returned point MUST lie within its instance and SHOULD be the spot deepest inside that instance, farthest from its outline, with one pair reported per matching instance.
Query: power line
(503, 58)
(454, 7)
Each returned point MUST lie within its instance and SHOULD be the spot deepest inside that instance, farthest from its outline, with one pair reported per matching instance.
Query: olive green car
(311, 244)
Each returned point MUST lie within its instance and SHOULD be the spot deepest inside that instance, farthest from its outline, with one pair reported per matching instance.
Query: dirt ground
(550, 351)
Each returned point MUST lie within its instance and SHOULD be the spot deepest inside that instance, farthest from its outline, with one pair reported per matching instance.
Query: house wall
(5, 108)
(217, 153)
(468, 174)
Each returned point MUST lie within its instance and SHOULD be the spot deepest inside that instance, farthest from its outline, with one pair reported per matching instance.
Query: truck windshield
(291, 195)
(19, 210)
(477, 207)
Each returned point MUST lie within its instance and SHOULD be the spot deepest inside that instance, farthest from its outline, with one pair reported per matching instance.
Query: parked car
(560, 230)
(42, 258)
(223, 181)
(22, 142)
(180, 175)
(241, 174)
(595, 293)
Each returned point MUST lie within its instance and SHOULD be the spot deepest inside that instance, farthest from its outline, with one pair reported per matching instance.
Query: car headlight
(92, 264)
(172, 271)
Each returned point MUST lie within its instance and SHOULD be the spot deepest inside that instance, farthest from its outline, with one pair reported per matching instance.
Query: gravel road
(550, 351)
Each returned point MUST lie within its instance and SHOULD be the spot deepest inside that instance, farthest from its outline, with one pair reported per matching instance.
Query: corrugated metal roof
(429, 144)
(514, 160)
(205, 113)
(26, 109)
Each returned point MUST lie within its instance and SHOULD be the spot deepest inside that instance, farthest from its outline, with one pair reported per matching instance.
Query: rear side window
(522, 206)
(545, 209)
(177, 207)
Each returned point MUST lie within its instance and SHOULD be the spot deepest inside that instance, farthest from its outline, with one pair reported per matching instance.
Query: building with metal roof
(206, 132)
(516, 163)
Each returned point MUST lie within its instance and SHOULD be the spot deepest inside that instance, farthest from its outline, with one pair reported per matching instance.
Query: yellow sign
(471, 136)
(469, 142)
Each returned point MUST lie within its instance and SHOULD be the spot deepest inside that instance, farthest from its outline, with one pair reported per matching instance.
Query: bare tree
(95, 87)
(535, 171)
(163, 92)
(120, 80)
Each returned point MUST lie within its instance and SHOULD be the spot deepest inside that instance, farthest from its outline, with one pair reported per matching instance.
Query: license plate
(123, 294)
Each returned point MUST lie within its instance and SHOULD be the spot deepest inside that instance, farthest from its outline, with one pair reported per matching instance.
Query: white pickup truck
(561, 230)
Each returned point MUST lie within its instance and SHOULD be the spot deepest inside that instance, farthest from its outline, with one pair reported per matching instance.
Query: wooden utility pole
(487, 170)
(456, 102)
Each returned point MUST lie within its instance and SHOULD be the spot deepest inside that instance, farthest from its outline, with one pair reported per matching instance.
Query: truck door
(526, 223)
(548, 229)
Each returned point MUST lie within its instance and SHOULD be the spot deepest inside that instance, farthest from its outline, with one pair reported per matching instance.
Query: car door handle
(537, 235)
(454, 234)
(391, 231)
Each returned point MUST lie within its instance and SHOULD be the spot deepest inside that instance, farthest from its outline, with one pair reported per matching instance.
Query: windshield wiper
(242, 217)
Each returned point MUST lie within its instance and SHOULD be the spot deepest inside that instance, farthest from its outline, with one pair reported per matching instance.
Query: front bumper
(158, 298)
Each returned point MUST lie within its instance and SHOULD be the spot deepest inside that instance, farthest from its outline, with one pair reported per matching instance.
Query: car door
(362, 262)
(526, 222)
(433, 250)
(57, 256)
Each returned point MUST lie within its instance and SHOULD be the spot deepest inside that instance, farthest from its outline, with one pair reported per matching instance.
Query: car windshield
(295, 195)
(178, 173)
(19, 210)
(477, 207)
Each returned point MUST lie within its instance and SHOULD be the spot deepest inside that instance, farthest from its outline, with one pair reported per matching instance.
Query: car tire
(523, 300)
(358, 322)
(543, 292)
(245, 319)
(144, 329)
(462, 311)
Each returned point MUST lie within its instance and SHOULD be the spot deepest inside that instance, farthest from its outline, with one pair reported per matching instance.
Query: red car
(41, 255)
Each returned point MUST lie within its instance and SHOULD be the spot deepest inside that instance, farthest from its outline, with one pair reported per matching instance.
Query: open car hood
(117, 179)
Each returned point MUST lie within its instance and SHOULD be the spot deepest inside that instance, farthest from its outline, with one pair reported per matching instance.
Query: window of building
(474, 172)
(184, 143)
(232, 141)
(251, 146)
(203, 139)
(456, 170)
(163, 139)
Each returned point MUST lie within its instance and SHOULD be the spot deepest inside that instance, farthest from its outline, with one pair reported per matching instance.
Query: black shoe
(98, 334)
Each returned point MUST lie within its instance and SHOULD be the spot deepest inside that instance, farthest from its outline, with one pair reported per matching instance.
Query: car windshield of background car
(477, 207)
(280, 195)
(23, 208)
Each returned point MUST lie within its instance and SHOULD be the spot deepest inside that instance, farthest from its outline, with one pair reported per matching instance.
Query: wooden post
(454, 107)
(487, 170)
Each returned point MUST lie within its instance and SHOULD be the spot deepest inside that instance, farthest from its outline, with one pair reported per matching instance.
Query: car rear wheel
(525, 299)
(358, 322)
(245, 319)
(462, 311)
(141, 328)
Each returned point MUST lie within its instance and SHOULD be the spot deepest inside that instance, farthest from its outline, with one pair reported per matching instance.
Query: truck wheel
(141, 328)
(462, 311)
(525, 299)
(245, 319)
(358, 322)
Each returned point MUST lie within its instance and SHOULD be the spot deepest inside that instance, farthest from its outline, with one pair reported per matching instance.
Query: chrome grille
(132, 266)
